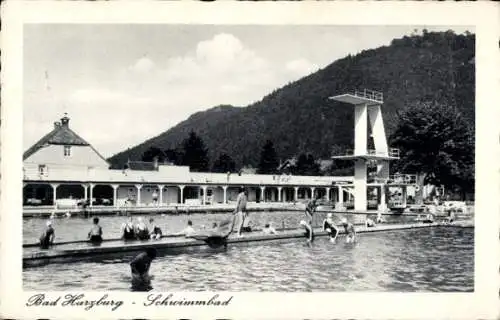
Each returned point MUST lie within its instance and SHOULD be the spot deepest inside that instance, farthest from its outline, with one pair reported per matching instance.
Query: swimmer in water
(268, 229)
(329, 226)
(349, 230)
(47, 237)
(369, 223)
(95, 233)
(187, 231)
(309, 231)
(140, 265)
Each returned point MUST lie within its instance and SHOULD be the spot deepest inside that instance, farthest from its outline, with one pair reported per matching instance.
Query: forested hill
(433, 66)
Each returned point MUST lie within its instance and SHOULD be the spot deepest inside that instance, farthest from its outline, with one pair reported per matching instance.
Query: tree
(224, 164)
(195, 154)
(268, 163)
(153, 152)
(306, 166)
(435, 143)
(174, 156)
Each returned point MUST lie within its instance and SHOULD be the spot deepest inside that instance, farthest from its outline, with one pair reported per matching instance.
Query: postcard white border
(483, 303)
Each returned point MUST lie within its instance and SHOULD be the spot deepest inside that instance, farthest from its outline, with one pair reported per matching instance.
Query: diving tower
(367, 110)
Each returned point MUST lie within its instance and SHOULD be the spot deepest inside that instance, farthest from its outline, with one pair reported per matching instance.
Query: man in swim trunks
(241, 208)
(140, 265)
(47, 237)
(349, 230)
(95, 233)
(329, 226)
(310, 208)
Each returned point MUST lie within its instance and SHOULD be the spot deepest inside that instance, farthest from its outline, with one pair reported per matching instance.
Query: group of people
(48, 235)
(328, 224)
(140, 230)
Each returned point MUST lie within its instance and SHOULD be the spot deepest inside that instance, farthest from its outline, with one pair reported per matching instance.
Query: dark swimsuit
(95, 238)
(141, 263)
(128, 233)
(157, 230)
(307, 234)
(333, 231)
(45, 238)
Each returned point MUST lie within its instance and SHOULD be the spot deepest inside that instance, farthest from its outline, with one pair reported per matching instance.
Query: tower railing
(369, 94)
(393, 153)
(402, 179)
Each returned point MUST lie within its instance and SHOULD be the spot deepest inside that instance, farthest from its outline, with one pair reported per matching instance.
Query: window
(42, 169)
(67, 151)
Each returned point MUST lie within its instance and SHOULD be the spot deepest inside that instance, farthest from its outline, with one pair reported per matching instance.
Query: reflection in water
(415, 260)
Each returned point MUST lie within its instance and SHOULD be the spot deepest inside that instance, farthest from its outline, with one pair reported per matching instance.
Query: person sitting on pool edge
(95, 233)
(141, 230)
(47, 237)
(309, 231)
(140, 265)
(349, 230)
(156, 231)
(329, 226)
(128, 230)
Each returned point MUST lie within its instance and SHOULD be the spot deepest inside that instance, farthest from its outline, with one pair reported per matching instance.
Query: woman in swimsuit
(142, 231)
(128, 232)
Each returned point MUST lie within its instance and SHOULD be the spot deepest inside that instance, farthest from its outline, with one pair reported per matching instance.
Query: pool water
(430, 259)
(70, 229)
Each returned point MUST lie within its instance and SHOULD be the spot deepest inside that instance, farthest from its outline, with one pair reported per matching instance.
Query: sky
(123, 84)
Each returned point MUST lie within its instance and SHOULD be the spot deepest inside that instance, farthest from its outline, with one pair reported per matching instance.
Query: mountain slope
(299, 117)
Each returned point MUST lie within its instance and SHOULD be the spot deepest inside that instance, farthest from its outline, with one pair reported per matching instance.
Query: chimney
(65, 120)
(57, 125)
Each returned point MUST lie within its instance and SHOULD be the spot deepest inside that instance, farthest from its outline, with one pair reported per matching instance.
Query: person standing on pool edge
(310, 208)
(241, 208)
(95, 233)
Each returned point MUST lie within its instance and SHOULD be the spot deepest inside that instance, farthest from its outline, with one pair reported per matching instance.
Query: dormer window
(67, 151)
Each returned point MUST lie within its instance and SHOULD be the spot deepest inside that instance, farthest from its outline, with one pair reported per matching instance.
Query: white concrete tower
(367, 105)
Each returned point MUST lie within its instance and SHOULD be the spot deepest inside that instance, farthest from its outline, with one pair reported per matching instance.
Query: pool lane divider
(77, 250)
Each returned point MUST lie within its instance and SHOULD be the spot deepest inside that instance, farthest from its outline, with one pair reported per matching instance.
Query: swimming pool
(70, 229)
(431, 259)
